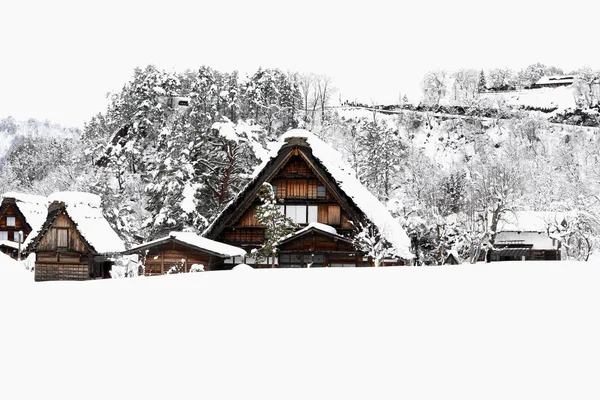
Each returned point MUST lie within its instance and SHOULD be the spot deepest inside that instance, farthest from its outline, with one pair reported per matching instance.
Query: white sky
(60, 58)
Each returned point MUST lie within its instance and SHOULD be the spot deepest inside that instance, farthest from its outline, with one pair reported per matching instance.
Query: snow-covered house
(524, 235)
(75, 241)
(23, 213)
(183, 252)
(312, 184)
(554, 81)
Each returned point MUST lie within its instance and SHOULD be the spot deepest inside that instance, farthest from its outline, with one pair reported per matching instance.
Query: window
(3, 235)
(10, 221)
(62, 237)
(296, 213)
(321, 191)
(313, 212)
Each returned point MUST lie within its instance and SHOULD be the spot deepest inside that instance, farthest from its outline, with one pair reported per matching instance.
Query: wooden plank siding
(175, 258)
(50, 241)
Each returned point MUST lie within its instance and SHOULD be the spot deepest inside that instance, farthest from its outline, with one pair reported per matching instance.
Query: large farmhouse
(312, 184)
(21, 215)
(75, 241)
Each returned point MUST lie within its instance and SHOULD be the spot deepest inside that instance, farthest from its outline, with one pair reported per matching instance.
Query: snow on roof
(555, 79)
(529, 221)
(9, 243)
(539, 240)
(85, 211)
(313, 225)
(34, 208)
(200, 242)
(208, 244)
(319, 226)
(76, 198)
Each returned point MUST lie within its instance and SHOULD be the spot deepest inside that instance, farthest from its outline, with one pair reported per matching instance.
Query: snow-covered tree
(276, 224)
(434, 86)
(370, 240)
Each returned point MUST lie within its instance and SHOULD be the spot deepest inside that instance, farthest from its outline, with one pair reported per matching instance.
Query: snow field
(505, 330)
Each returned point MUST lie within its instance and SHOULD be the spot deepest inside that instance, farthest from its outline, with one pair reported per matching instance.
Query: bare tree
(434, 86)
(325, 88)
(465, 86)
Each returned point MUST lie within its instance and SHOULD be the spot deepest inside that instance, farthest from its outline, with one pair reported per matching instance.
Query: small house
(524, 235)
(75, 242)
(183, 252)
(20, 216)
(554, 81)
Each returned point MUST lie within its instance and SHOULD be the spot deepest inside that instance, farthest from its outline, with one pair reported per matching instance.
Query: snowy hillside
(500, 331)
(560, 98)
(11, 131)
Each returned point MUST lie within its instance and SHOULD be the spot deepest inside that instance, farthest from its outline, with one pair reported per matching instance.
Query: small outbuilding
(554, 81)
(524, 235)
(184, 252)
(75, 242)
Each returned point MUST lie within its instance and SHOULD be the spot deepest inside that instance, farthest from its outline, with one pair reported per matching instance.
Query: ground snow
(500, 331)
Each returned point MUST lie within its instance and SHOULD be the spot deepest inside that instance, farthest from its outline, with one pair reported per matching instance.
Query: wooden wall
(48, 242)
(61, 272)
(175, 258)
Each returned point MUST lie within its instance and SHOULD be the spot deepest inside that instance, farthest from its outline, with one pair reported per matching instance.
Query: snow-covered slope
(12, 130)
(499, 331)
(560, 98)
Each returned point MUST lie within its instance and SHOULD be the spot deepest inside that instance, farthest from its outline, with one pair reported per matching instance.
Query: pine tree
(276, 224)
(482, 86)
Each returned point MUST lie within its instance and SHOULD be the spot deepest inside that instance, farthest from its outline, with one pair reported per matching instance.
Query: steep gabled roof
(329, 165)
(85, 212)
(33, 209)
(194, 241)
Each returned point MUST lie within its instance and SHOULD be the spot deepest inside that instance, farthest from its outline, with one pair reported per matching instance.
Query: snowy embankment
(500, 331)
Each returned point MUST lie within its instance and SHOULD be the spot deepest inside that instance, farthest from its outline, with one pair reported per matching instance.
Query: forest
(172, 149)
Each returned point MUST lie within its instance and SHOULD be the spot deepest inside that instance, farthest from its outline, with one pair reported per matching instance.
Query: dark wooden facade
(173, 256)
(306, 192)
(62, 253)
(315, 248)
(11, 222)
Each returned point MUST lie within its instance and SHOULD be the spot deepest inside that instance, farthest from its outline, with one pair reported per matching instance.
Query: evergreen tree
(482, 85)
(276, 224)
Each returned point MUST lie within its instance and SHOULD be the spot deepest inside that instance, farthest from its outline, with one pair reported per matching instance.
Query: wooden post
(162, 262)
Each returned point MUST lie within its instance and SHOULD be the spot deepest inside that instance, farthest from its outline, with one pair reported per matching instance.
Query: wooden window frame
(58, 230)
(14, 220)
(324, 191)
